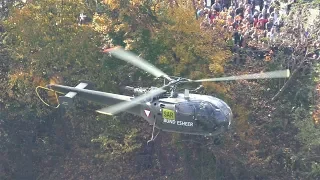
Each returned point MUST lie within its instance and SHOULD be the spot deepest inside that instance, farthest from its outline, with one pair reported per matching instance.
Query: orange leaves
(216, 68)
(184, 19)
(135, 2)
(163, 60)
(113, 4)
(195, 50)
(218, 61)
(241, 116)
(155, 7)
(188, 50)
(316, 112)
(117, 4)
(218, 88)
(101, 24)
(19, 75)
(316, 116)
(121, 27)
(48, 37)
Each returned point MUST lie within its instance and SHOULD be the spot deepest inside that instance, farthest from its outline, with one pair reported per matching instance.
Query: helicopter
(163, 107)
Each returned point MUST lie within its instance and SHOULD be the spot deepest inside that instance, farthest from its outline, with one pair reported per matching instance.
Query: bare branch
(291, 78)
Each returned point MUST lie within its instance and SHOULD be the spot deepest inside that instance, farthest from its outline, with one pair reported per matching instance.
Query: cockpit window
(219, 115)
(185, 108)
(201, 110)
(222, 106)
(204, 110)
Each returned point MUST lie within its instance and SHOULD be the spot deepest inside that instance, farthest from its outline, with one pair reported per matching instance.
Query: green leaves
(117, 139)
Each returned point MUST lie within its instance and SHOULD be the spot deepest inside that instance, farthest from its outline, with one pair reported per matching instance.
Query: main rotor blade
(135, 60)
(123, 106)
(266, 75)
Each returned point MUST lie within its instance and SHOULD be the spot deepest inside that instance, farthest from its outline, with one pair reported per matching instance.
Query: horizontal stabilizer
(67, 100)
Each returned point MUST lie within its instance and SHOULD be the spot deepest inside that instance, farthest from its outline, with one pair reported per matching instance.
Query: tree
(44, 37)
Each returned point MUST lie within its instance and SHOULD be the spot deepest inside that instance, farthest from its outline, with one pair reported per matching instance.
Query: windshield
(204, 109)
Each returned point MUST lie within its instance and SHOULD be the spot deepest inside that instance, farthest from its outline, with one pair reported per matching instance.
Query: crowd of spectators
(255, 23)
(250, 21)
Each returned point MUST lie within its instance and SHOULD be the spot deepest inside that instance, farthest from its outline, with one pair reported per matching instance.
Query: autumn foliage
(267, 140)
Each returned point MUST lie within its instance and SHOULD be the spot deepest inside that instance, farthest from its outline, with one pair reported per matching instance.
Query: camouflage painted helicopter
(163, 107)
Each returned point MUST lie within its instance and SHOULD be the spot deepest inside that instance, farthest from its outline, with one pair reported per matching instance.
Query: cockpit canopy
(203, 111)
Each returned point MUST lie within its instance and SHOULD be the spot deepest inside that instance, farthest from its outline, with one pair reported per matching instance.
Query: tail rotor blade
(265, 75)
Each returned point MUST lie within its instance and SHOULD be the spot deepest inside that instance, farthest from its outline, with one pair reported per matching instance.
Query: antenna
(186, 94)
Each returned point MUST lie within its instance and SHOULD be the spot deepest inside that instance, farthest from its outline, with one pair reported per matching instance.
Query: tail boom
(91, 95)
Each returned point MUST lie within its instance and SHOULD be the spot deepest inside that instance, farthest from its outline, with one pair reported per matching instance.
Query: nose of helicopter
(230, 119)
(222, 118)
(222, 113)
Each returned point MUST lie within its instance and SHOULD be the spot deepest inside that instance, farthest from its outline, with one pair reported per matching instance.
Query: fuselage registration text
(179, 123)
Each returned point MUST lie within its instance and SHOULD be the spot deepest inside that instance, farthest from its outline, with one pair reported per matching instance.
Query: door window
(186, 109)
